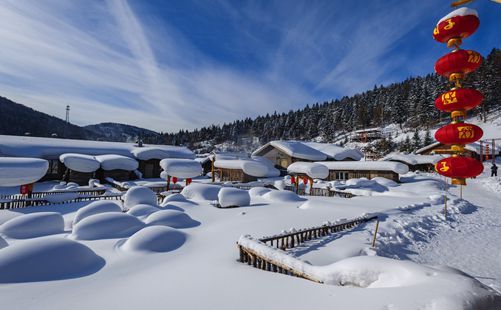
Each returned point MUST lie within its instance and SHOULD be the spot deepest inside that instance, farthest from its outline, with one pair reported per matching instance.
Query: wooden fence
(290, 240)
(32, 202)
(324, 192)
(87, 192)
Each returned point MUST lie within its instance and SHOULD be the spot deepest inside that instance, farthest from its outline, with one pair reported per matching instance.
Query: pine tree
(427, 139)
(416, 141)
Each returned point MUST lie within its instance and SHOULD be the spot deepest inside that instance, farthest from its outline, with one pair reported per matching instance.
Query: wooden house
(365, 169)
(284, 153)
(414, 161)
(243, 170)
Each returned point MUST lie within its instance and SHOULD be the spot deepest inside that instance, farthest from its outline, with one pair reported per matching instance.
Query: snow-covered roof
(335, 151)
(459, 12)
(52, 148)
(80, 162)
(117, 162)
(311, 150)
(366, 165)
(252, 167)
(313, 170)
(182, 168)
(474, 147)
(18, 171)
(368, 130)
(412, 159)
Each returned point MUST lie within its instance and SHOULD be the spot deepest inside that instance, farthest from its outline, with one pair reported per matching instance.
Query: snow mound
(117, 162)
(361, 182)
(282, 196)
(385, 182)
(46, 259)
(155, 239)
(139, 195)
(96, 207)
(437, 199)
(79, 162)
(258, 191)
(33, 225)
(197, 191)
(3, 243)
(181, 168)
(233, 197)
(173, 197)
(313, 170)
(19, 171)
(172, 218)
(106, 226)
(142, 210)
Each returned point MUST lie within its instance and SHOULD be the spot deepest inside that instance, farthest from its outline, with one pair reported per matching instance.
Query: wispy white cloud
(112, 62)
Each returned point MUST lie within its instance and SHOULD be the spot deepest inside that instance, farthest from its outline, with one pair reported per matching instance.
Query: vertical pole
(461, 191)
(375, 234)
(481, 150)
(212, 169)
(168, 182)
(493, 151)
(445, 203)
(311, 186)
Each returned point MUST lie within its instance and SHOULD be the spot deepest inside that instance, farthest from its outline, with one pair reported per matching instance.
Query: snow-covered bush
(155, 239)
(282, 196)
(139, 195)
(233, 197)
(106, 226)
(48, 258)
(142, 210)
(96, 207)
(172, 218)
(197, 191)
(33, 225)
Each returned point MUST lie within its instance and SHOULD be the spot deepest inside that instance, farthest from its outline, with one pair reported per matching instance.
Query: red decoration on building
(293, 180)
(188, 181)
(459, 167)
(459, 133)
(23, 189)
(174, 180)
(305, 180)
(459, 99)
(457, 27)
(460, 62)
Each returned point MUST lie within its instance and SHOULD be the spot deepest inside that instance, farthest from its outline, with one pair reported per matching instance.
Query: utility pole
(67, 121)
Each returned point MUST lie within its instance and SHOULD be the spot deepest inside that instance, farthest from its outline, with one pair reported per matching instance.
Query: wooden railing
(290, 240)
(31, 202)
(87, 192)
(324, 192)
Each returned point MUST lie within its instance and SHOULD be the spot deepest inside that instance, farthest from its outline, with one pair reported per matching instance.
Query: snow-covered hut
(414, 161)
(307, 169)
(51, 149)
(244, 170)
(283, 153)
(364, 169)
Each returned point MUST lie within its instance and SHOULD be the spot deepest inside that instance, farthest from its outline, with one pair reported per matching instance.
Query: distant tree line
(409, 104)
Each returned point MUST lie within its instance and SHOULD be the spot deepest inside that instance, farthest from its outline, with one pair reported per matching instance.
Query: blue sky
(179, 64)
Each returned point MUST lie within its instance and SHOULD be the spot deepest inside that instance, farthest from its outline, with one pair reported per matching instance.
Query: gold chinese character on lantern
(465, 132)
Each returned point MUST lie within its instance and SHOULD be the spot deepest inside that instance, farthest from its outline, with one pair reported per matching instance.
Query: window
(53, 166)
(342, 175)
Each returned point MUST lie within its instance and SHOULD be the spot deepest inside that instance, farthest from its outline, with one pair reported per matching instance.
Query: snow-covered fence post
(375, 234)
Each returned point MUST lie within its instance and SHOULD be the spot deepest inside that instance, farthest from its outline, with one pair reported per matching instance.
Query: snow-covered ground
(182, 254)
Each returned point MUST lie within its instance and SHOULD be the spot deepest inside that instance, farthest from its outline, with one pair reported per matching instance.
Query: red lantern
(456, 27)
(174, 180)
(459, 62)
(305, 180)
(24, 189)
(459, 167)
(459, 99)
(459, 133)
(293, 180)
(188, 181)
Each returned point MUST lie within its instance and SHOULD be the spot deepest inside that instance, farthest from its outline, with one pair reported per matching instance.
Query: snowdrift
(155, 239)
(96, 207)
(282, 196)
(139, 195)
(173, 197)
(233, 197)
(19, 171)
(45, 259)
(172, 218)
(181, 168)
(258, 191)
(33, 225)
(198, 191)
(106, 226)
(80, 162)
(142, 210)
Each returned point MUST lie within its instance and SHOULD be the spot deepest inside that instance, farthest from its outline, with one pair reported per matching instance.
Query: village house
(473, 150)
(284, 153)
(80, 160)
(244, 170)
(364, 169)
